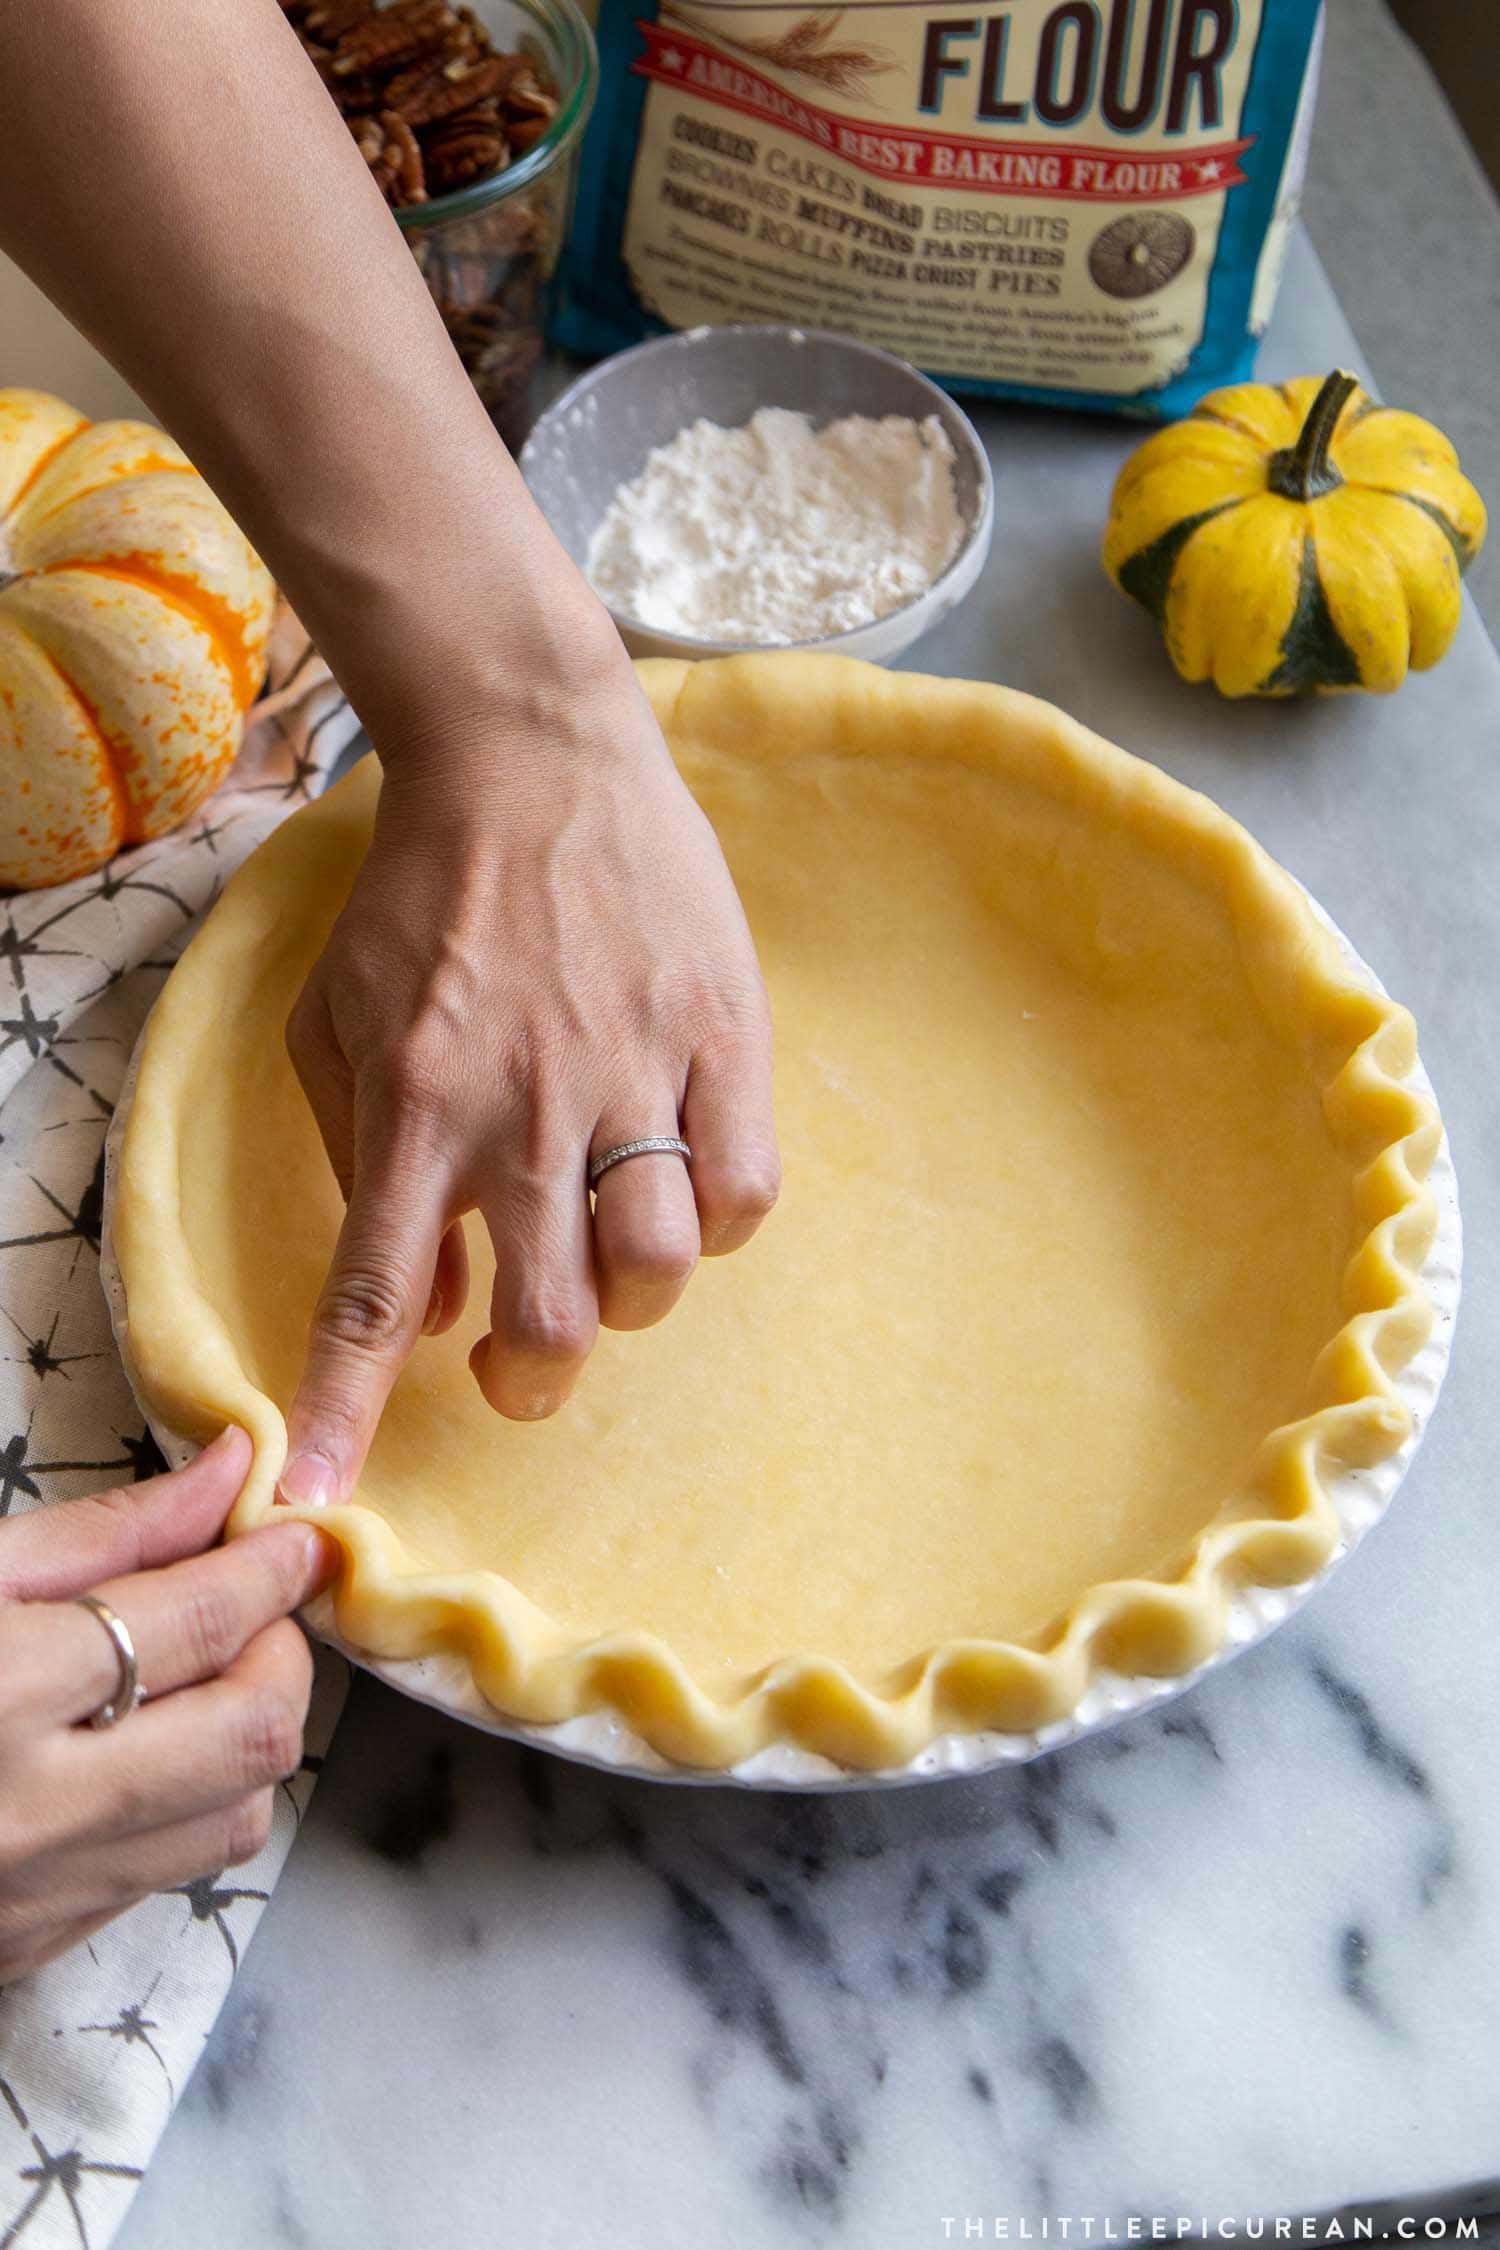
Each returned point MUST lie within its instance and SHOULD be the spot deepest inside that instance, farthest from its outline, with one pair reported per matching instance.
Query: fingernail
(323, 1559)
(434, 1311)
(308, 1481)
(226, 1438)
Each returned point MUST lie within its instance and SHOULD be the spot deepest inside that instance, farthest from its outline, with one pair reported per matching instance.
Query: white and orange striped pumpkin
(133, 624)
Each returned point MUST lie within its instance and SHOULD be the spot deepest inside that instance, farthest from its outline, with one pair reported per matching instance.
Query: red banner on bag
(1066, 170)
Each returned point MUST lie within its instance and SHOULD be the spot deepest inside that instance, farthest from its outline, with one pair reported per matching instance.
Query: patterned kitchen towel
(95, 2048)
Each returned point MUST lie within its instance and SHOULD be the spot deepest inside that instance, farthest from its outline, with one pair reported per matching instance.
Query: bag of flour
(1081, 202)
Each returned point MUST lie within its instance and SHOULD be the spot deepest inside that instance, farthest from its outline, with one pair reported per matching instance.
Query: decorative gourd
(133, 624)
(1296, 540)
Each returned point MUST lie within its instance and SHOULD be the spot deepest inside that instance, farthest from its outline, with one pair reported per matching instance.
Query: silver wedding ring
(655, 1144)
(129, 1695)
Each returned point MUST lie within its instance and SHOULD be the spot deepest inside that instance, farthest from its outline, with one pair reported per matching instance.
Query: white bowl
(597, 436)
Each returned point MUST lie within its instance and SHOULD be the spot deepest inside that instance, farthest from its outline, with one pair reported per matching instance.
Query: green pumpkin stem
(1303, 471)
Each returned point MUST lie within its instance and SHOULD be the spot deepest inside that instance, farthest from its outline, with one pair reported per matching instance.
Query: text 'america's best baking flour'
(1082, 202)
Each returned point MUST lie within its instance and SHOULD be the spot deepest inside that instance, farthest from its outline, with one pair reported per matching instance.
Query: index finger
(188, 1622)
(370, 1314)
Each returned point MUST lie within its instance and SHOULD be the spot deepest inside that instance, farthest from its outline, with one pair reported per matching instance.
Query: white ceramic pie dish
(601, 1738)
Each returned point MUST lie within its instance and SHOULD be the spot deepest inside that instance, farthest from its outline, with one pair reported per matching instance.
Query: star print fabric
(95, 2048)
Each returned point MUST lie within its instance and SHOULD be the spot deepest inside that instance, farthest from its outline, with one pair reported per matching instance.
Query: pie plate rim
(601, 1738)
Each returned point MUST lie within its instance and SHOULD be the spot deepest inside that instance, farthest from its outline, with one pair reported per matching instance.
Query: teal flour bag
(1080, 202)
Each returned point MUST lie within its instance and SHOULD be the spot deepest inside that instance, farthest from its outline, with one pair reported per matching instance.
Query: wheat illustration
(805, 50)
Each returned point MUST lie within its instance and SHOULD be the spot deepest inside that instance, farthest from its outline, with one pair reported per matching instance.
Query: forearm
(174, 176)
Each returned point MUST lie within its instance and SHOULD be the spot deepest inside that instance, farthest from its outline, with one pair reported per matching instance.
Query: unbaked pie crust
(1104, 1213)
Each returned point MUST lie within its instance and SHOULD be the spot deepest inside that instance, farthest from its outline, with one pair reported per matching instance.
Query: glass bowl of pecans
(469, 118)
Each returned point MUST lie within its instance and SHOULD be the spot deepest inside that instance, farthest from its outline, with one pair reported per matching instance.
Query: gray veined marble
(1241, 1956)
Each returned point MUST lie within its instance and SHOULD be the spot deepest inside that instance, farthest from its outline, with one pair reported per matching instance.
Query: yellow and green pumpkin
(1296, 539)
(133, 624)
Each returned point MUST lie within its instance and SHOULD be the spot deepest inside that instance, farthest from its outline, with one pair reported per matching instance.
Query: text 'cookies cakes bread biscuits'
(1099, 1250)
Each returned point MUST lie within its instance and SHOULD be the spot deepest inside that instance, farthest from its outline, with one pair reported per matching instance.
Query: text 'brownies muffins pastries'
(1085, 202)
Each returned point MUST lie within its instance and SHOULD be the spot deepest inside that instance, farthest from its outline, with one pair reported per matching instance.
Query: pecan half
(526, 132)
(352, 95)
(445, 94)
(455, 159)
(410, 173)
(330, 19)
(387, 41)
(411, 90)
(481, 115)
(527, 94)
(405, 90)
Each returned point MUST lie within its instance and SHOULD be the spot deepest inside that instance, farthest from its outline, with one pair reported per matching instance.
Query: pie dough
(1099, 1245)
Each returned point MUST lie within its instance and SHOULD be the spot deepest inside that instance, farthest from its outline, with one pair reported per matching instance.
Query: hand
(543, 956)
(91, 1822)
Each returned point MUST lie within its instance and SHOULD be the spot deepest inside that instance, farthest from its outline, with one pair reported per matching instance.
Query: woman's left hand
(91, 1822)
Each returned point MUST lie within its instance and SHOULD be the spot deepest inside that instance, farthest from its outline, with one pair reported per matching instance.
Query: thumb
(371, 1312)
(55, 1552)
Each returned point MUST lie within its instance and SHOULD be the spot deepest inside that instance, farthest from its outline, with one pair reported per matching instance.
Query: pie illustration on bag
(1137, 255)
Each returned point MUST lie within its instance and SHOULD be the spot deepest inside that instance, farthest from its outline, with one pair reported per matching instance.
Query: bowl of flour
(764, 487)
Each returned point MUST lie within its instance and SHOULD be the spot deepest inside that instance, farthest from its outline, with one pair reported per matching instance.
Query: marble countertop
(1239, 1957)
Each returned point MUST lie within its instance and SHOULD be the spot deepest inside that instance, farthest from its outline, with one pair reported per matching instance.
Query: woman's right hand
(91, 1821)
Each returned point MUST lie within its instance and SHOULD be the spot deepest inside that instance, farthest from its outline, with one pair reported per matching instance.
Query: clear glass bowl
(489, 251)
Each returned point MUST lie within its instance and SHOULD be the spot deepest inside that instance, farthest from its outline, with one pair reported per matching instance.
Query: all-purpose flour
(778, 532)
